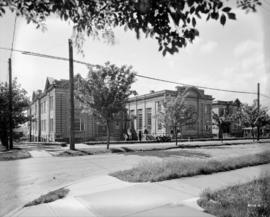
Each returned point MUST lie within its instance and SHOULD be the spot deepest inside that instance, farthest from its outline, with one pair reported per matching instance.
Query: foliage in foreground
(19, 103)
(14, 155)
(173, 169)
(49, 197)
(246, 200)
(172, 23)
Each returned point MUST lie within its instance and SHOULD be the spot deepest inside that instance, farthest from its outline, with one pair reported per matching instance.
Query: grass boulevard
(250, 199)
(173, 169)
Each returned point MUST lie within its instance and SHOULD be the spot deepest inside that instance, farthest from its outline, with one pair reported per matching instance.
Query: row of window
(44, 125)
(80, 125)
(44, 104)
(207, 110)
(140, 118)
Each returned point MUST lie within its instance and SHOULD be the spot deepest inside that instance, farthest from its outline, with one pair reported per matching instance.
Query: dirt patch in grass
(82, 152)
(173, 169)
(246, 200)
(14, 154)
(49, 197)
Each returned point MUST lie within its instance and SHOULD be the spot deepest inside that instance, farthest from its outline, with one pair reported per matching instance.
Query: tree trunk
(258, 133)
(220, 133)
(108, 134)
(4, 138)
(176, 134)
(252, 133)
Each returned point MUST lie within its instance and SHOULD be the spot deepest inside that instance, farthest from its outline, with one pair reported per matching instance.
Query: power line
(203, 87)
(30, 53)
(138, 75)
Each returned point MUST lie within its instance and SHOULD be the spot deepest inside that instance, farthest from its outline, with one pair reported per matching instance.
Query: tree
(232, 113)
(171, 22)
(19, 103)
(105, 92)
(252, 118)
(177, 114)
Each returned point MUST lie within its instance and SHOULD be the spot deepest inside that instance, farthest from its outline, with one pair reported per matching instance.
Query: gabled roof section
(49, 82)
(63, 84)
(36, 94)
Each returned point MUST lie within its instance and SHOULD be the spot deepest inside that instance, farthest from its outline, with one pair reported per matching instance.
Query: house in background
(143, 111)
(223, 108)
(50, 116)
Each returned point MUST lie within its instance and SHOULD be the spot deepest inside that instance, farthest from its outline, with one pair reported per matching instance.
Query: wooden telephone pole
(258, 107)
(71, 89)
(10, 146)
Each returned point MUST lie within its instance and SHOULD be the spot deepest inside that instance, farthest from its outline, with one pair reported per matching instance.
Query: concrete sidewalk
(107, 196)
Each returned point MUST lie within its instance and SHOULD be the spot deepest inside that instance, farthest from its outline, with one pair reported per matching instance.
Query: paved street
(106, 196)
(24, 180)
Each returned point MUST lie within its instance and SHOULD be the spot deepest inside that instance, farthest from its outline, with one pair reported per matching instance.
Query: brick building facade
(50, 116)
(143, 110)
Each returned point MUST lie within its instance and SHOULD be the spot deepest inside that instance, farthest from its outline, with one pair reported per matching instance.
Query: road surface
(23, 180)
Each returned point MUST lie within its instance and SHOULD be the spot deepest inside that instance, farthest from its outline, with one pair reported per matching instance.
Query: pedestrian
(140, 135)
(172, 134)
(129, 134)
(125, 136)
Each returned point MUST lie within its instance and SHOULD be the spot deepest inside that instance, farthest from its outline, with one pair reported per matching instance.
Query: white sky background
(235, 56)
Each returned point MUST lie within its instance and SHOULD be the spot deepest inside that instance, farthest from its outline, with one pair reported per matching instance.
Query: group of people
(140, 134)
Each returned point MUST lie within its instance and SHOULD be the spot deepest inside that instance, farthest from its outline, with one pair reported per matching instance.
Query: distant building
(50, 116)
(223, 108)
(143, 111)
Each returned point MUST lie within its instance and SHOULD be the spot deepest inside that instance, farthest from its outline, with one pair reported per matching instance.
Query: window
(51, 102)
(44, 104)
(221, 111)
(77, 124)
(131, 113)
(43, 125)
(159, 110)
(139, 119)
(149, 118)
(159, 106)
(51, 125)
(82, 125)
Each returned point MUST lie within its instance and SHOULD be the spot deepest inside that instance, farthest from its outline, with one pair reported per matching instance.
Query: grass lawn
(49, 197)
(14, 154)
(164, 154)
(246, 200)
(173, 169)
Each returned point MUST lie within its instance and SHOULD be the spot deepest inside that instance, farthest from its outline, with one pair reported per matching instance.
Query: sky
(235, 56)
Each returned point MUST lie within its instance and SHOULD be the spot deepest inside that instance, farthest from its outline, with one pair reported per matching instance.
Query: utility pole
(71, 89)
(30, 124)
(10, 146)
(258, 107)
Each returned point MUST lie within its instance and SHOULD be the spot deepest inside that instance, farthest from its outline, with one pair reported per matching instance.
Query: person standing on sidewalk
(140, 135)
